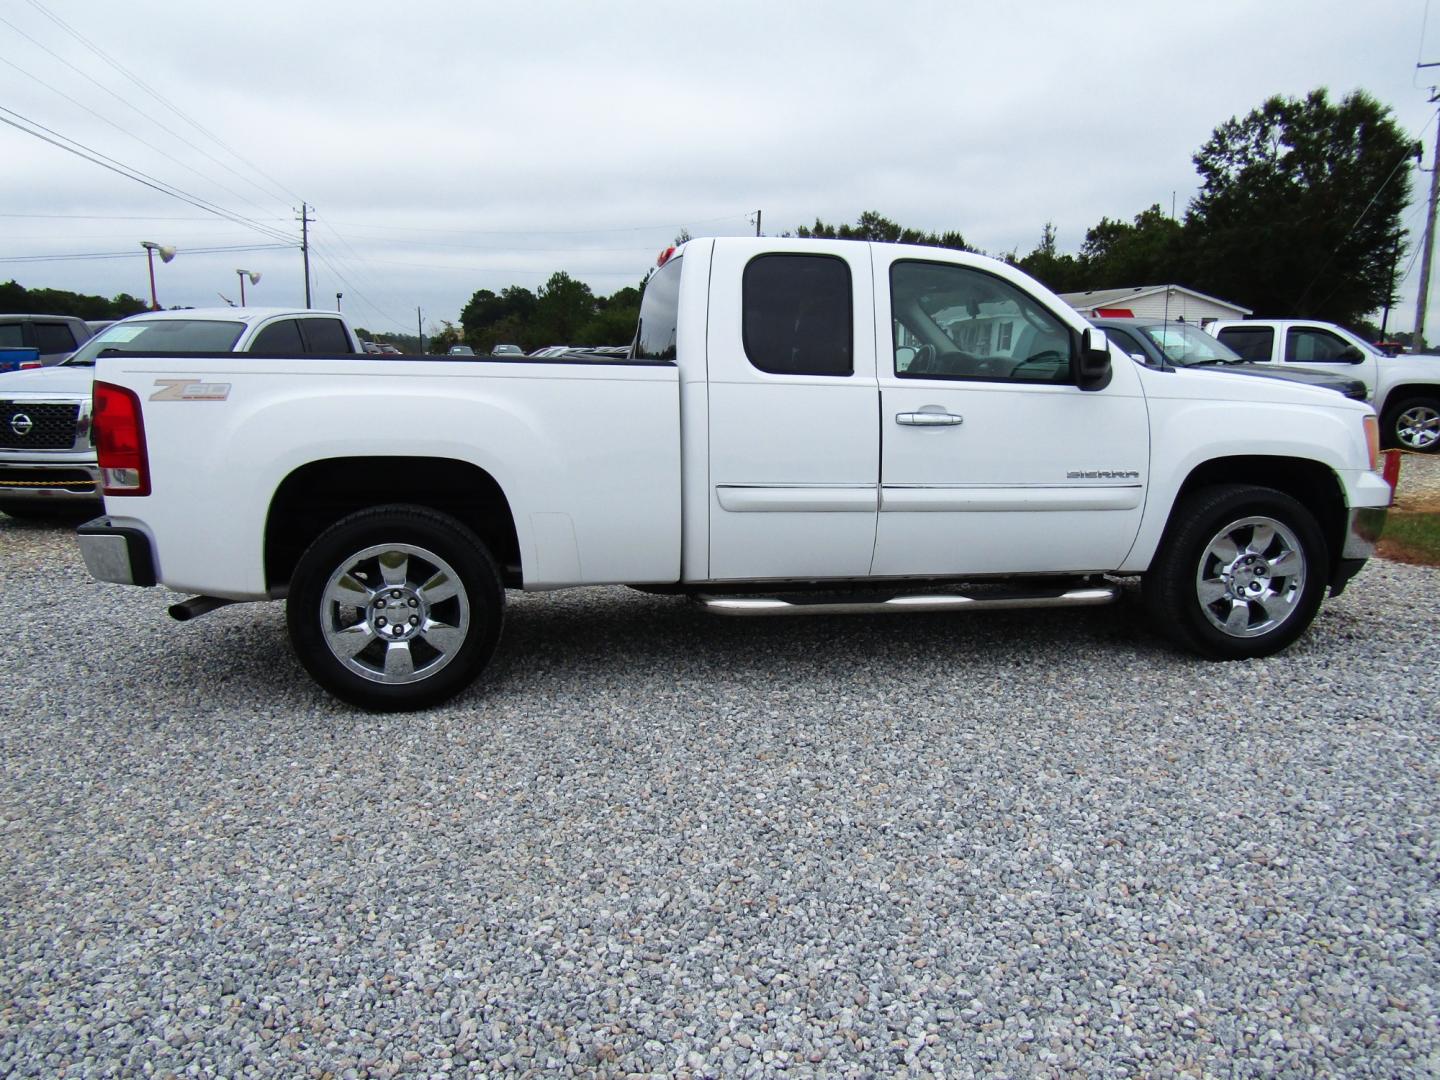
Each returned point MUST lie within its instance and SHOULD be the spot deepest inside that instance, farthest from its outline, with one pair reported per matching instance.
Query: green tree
(17, 298)
(874, 226)
(490, 318)
(562, 306)
(1059, 273)
(1152, 251)
(1299, 210)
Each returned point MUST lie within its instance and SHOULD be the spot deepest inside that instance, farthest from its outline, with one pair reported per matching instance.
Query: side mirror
(1353, 354)
(903, 355)
(1092, 363)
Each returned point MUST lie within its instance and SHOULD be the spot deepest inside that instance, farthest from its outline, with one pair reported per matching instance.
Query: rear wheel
(395, 608)
(1414, 424)
(1240, 574)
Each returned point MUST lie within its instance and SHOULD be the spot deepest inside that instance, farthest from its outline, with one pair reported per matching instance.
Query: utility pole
(305, 220)
(1422, 300)
(420, 331)
(757, 221)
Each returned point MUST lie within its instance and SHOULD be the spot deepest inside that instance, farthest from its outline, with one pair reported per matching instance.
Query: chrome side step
(980, 599)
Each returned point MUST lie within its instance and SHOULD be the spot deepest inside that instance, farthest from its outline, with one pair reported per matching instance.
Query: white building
(1168, 302)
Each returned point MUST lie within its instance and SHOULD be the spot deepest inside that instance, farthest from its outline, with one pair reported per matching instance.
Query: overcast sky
(449, 146)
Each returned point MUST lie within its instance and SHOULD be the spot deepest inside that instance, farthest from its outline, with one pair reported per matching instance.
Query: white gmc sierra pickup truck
(1405, 390)
(801, 426)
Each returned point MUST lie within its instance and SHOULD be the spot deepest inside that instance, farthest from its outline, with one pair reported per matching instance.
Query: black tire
(427, 566)
(1269, 592)
(1412, 423)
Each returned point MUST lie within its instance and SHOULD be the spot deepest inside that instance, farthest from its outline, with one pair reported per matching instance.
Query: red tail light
(119, 437)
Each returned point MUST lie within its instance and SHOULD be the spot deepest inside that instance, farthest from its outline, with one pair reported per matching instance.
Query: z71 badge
(190, 390)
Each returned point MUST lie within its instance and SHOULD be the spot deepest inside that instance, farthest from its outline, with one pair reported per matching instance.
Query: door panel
(1029, 473)
(794, 456)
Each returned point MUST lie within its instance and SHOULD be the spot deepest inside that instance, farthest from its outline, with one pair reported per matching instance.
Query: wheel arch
(316, 495)
(1311, 483)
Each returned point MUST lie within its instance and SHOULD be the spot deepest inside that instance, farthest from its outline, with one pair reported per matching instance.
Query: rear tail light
(26, 365)
(119, 436)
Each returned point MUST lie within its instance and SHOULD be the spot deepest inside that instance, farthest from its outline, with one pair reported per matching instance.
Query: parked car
(1405, 390)
(1167, 345)
(460, 350)
(54, 337)
(507, 350)
(803, 427)
(47, 456)
(386, 349)
(371, 349)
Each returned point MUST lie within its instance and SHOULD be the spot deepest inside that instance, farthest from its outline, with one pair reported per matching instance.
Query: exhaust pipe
(197, 606)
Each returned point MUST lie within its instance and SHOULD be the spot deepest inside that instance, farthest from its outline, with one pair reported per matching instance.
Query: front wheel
(1414, 424)
(395, 608)
(1240, 573)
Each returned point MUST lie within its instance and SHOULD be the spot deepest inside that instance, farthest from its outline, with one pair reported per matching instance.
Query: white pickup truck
(802, 426)
(1405, 390)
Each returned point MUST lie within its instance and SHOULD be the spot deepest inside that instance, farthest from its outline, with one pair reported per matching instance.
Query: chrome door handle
(928, 419)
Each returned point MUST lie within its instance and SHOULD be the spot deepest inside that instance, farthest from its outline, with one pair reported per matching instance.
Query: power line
(135, 254)
(350, 288)
(117, 217)
(95, 157)
(286, 193)
(173, 134)
(747, 218)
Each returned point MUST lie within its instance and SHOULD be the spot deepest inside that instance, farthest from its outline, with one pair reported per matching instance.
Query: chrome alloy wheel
(1251, 577)
(1418, 426)
(394, 613)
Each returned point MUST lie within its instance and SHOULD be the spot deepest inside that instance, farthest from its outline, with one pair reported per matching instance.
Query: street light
(254, 277)
(338, 295)
(166, 254)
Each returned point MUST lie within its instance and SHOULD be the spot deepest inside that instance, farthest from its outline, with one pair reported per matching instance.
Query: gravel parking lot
(653, 841)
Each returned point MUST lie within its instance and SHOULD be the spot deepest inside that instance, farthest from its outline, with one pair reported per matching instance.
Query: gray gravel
(658, 842)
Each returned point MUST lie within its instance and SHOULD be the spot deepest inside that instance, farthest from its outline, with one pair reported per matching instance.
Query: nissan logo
(21, 424)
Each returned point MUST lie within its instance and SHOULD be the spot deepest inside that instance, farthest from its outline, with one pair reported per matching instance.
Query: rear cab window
(1254, 343)
(325, 336)
(278, 339)
(54, 338)
(655, 334)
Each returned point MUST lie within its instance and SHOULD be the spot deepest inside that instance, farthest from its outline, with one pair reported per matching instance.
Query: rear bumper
(116, 553)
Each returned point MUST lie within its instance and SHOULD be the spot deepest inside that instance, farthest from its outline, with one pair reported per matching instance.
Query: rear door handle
(928, 419)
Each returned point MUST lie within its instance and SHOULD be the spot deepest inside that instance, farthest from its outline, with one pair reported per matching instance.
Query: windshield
(160, 335)
(1184, 345)
(1368, 346)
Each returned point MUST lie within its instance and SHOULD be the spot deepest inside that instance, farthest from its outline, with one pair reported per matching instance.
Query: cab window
(326, 336)
(279, 339)
(797, 315)
(1312, 345)
(54, 338)
(956, 322)
(1251, 342)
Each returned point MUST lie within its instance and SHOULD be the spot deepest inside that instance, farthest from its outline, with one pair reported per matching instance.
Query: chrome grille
(24, 426)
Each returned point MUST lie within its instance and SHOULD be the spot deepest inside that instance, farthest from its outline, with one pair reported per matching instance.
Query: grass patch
(1411, 538)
